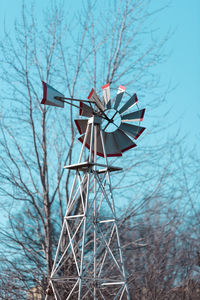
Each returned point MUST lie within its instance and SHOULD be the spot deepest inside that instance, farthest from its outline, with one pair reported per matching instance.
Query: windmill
(89, 263)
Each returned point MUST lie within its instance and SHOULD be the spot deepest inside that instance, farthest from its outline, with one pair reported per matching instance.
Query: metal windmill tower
(89, 262)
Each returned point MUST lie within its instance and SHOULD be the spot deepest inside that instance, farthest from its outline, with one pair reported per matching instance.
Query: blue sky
(183, 66)
(182, 69)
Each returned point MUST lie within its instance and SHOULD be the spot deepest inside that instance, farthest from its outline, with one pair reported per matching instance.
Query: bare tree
(33, 146)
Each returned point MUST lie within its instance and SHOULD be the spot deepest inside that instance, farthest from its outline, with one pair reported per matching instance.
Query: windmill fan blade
(120, 93)
(111, 145)
(134, 116)
(81, 125)
(131, 102)
(106, 93)
(108, 105)
(85, 110)
(132, 130)
(94, 97)
(123, 141)
(99, 143)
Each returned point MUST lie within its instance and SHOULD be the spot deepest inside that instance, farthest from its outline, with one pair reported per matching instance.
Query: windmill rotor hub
(113, 122)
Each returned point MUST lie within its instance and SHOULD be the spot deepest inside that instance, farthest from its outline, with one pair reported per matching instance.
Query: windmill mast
(89, 263)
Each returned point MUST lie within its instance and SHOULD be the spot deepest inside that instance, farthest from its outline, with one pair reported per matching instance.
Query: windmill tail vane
(89, 262)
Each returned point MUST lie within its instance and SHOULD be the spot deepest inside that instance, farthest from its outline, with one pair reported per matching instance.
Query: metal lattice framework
(89, 262)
